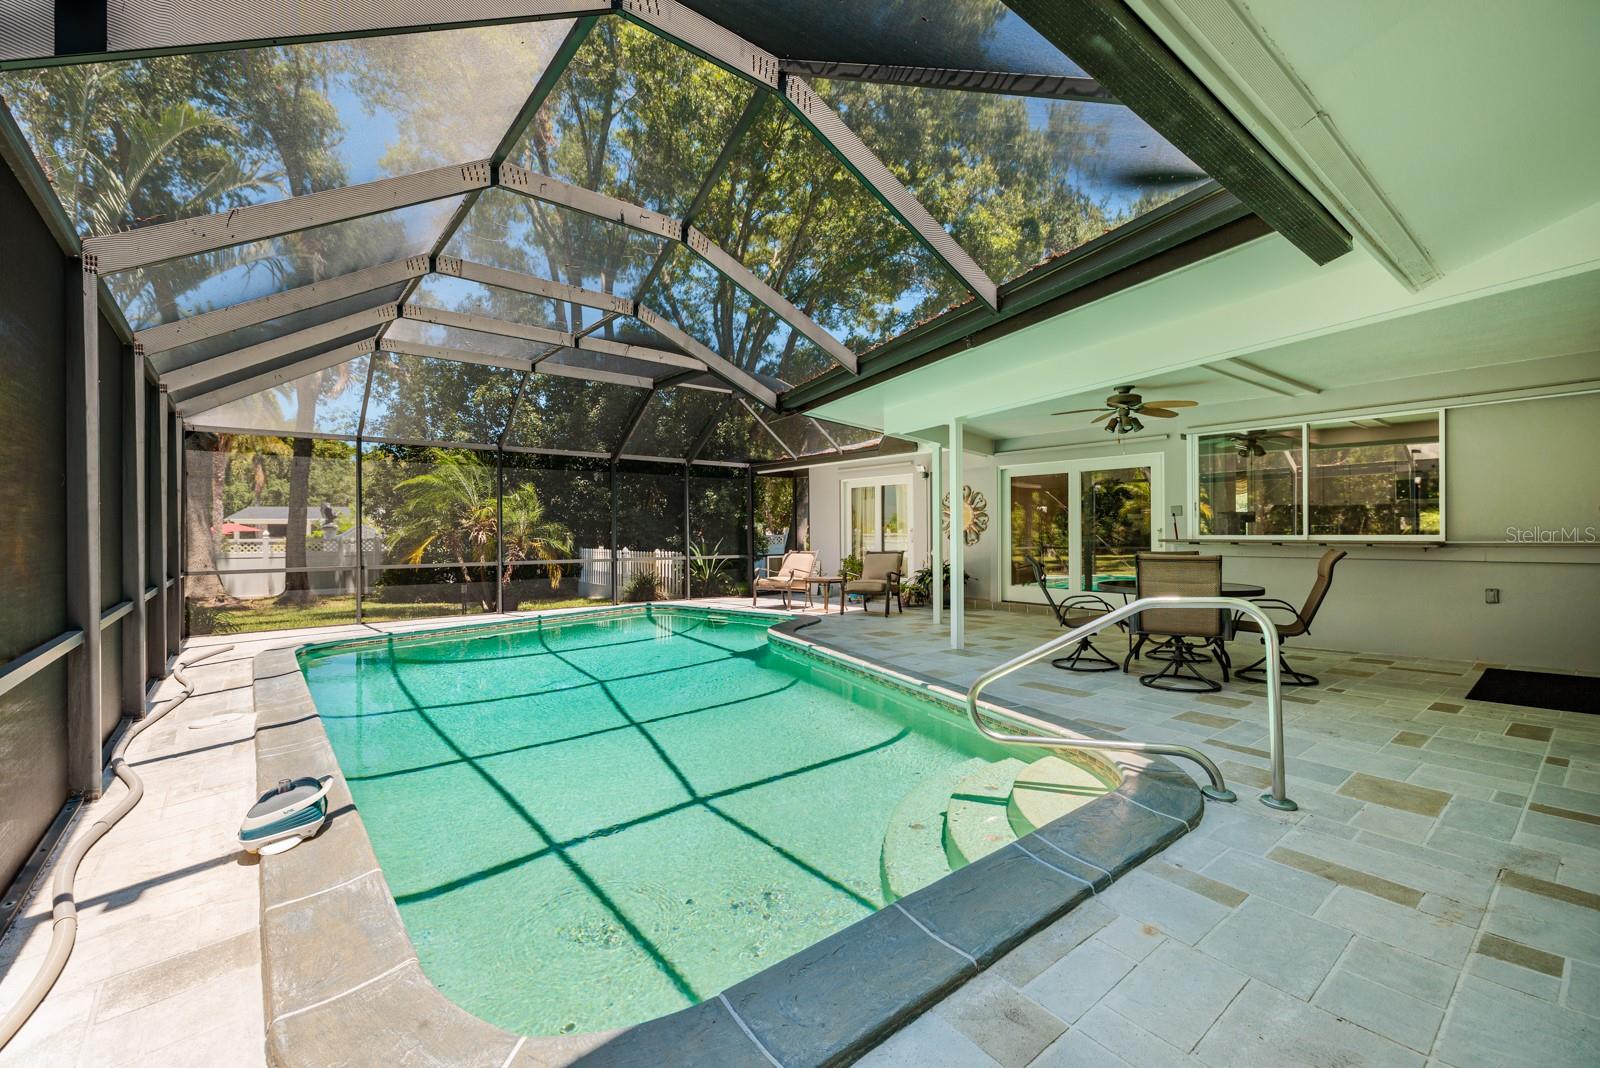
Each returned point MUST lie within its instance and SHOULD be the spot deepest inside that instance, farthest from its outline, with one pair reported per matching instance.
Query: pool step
(1048, 789)
(976, 820)
(913, 845)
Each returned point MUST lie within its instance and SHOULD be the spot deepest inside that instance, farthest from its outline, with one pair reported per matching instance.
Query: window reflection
(1376, 476)
(1250, 482)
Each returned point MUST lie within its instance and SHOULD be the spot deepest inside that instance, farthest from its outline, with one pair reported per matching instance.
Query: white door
(1082, 520)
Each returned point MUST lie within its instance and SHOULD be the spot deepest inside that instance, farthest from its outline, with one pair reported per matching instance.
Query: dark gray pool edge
(341, 982)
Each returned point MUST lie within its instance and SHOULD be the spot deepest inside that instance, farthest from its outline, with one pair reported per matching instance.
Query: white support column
(936, 542)
(958, 579)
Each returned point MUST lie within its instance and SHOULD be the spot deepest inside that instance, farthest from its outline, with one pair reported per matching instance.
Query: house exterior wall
(1407, 600)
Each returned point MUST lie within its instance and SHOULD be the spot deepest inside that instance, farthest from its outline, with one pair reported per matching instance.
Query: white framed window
(1355, 478)
(876, 514)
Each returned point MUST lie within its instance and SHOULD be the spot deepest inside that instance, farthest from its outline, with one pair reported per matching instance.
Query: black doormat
(1538, 689)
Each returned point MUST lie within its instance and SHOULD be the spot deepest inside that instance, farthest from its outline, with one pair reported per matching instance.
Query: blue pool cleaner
(286, 815)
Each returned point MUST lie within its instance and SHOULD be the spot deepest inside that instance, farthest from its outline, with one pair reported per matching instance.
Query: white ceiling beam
(455, 355)
(215, 398)
(148, 245)
(198, 374)
(694, 30)
(500, 278)
(532, 184)
(618, 378)
(717, 365)
(263, 309)
(1250, 374)
(590, 343)
(485, 324)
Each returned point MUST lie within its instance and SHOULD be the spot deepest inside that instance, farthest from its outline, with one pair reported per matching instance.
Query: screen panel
(1015, 180)
(168, 291)
(137, 142)
(571, 414)
(728, 320)
(416, 398)
(789, 211)
(636, 117)
(516, 233)
(322, 402)
(199, 351)
(672, 421)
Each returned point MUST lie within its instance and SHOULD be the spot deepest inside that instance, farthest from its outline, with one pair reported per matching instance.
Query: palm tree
(452, 508)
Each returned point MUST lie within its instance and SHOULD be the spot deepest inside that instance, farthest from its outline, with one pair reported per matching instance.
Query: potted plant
(918, 590)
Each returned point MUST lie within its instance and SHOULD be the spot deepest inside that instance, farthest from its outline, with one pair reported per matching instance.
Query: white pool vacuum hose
(64, 921)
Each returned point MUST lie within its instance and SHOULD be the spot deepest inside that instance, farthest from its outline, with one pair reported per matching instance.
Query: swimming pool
(589, 822)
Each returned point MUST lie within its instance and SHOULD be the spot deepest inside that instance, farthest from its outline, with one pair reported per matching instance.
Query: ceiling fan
(1247, 445)
(1123, 408)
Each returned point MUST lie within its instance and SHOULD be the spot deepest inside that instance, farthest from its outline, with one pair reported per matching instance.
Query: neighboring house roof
(277, 513)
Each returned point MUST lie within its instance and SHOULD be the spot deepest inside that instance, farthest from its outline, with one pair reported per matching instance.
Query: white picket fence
(595, 579)
(333, 561)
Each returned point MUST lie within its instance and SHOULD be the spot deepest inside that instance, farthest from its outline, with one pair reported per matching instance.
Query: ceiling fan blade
(1172, 404)
(1079, 411)
(1159, 413)
(1101, 416)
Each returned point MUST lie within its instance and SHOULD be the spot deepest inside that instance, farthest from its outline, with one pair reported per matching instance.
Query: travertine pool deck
(1435, 901)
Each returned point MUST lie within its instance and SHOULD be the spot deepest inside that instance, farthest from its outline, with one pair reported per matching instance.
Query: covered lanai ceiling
(588, 228)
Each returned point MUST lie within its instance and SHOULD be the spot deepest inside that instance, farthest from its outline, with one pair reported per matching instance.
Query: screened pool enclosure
(502, 316)
(320, 314)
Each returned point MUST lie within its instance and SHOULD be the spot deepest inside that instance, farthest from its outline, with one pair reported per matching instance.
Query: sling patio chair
(1074, 610)
(880, 575)
(1160, 575)
(1300, 624)
(793, 576)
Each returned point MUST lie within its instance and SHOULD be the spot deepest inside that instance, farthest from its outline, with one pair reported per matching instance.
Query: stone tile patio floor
(1435, 901)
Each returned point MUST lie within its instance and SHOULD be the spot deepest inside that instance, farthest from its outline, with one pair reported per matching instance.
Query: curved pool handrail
(1277, 797)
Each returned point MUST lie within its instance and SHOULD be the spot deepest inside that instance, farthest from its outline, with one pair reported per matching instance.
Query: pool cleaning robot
(286, 815)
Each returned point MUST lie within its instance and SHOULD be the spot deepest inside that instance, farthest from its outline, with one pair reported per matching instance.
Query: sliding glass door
(877, 515)
(1081, 520)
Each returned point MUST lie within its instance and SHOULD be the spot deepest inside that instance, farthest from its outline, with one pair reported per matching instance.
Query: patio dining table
(1128, 587)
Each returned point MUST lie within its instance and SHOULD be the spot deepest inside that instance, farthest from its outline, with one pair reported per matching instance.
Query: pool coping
(342, 983)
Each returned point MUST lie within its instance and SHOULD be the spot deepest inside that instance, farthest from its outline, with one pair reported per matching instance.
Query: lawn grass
(243, 617)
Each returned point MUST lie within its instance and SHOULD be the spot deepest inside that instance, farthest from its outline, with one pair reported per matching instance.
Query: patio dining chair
(880, 574)
(793, 576)
(1295, 627)
(1182, 629)
(1074, 610)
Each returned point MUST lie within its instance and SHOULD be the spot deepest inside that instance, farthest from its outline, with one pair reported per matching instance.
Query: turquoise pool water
(596, 823)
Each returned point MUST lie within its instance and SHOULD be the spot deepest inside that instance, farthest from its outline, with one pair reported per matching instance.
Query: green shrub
(644, 586)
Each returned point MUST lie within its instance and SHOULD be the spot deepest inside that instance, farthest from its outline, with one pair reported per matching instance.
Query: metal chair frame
(1084, 657)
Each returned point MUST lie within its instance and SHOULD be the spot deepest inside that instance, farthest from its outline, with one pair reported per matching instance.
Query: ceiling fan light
(1134, 421)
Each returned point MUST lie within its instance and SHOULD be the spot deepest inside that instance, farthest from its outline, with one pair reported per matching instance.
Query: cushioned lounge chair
(793, 576)
(880, 577)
